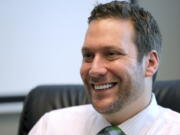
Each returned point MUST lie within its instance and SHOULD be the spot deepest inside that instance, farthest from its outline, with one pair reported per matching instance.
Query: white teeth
(104, 86)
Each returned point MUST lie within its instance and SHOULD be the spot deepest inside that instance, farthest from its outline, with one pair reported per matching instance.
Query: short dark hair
(147, 33)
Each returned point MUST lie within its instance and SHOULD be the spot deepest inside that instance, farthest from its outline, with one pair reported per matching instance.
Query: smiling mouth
(103, 86)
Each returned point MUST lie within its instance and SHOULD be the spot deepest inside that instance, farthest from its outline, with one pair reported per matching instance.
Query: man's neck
(129, 110)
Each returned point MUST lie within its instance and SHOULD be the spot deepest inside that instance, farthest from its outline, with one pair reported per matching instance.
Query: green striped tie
(111, 130)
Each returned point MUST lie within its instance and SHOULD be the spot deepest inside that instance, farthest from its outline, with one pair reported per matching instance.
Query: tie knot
(111, 130)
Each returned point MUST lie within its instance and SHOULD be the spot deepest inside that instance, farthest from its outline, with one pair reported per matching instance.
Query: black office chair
(49, 97)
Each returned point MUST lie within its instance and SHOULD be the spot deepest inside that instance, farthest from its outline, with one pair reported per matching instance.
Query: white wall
(40, 42)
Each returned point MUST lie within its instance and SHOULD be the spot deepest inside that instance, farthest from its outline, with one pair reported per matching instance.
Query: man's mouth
(103, 86)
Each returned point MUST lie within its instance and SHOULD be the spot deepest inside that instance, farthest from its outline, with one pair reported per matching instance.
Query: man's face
(110, 70)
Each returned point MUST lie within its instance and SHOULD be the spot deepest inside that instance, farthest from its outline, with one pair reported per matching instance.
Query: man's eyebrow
(109, 47)
(83, 49)
(112, 48)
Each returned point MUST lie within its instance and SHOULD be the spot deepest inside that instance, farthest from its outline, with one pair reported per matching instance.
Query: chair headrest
(168, 94)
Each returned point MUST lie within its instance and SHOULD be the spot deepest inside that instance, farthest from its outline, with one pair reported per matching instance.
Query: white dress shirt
(84, 120)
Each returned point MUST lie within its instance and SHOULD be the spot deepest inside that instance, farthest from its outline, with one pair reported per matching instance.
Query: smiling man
(118, 84)
(120, 61)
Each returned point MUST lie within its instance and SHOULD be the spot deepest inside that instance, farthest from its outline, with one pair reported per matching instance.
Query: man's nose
(98, 67)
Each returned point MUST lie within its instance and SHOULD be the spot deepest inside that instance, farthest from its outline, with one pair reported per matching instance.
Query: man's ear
(152, 63)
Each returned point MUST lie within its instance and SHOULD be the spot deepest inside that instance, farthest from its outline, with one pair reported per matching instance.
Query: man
(120, 60)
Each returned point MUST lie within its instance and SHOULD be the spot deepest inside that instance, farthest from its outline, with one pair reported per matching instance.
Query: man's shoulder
(72, 113)
(169, 118)
(71, 120)
(168, 123)
(172, 116)
(73, 109)
(79, 108)
(77, 115)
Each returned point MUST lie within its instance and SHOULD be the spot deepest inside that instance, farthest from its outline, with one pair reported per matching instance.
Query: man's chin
(104, 109)
(108, 107)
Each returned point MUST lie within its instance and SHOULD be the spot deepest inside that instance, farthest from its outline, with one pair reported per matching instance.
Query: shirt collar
(134, 125)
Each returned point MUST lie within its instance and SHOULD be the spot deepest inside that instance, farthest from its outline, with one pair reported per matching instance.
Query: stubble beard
(127, 94)
(123, 98)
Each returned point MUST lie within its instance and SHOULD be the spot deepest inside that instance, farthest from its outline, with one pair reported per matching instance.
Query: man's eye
(87, 56)
(112, 54)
